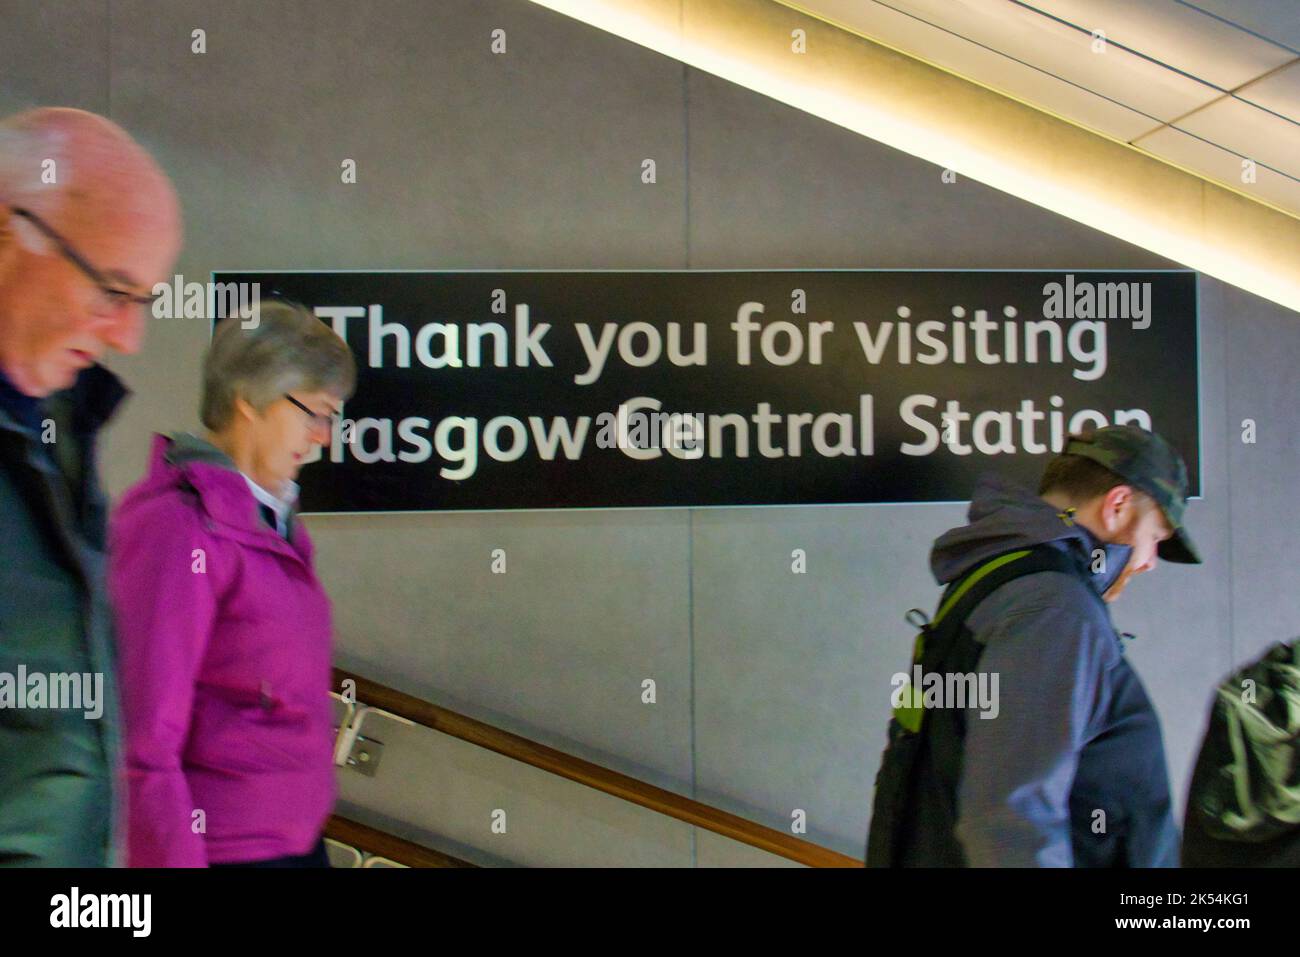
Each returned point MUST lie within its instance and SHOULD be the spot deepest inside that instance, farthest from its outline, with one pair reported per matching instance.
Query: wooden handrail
(381, 843)
(592, 775)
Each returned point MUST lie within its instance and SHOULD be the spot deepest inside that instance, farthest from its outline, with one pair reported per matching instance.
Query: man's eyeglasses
(323, 420)
(109, 295)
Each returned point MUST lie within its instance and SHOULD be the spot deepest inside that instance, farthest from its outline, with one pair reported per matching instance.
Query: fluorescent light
(957, 125)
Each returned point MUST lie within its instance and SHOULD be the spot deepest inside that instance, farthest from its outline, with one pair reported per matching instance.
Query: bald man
(88, 225)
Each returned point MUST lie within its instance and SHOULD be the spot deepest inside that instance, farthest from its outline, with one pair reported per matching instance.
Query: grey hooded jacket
(1071, 771)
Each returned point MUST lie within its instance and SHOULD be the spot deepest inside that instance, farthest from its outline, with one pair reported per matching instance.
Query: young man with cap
(1070, 769)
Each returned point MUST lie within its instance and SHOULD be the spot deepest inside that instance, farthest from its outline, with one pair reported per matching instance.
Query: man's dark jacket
(58, 769)
(1071, 771)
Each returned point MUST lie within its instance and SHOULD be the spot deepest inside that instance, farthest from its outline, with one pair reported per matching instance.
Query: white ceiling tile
(1025, 54)
(1221, 166)
(1276, 19)
(1175, 34)
(1279, 92)
(1051, 46)
(986, 67)
(1249, 131)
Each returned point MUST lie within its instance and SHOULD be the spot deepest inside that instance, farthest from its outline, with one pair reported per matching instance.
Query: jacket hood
(184, 448)
(1004, 517)
(187, 461)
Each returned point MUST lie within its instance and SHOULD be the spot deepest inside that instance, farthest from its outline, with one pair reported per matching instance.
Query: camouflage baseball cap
(1147, 462)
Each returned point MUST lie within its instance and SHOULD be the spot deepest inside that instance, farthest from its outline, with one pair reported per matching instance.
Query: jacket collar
(18, 406)
(1084, 547)
(222, 491)
(96, 396)
(93, 399)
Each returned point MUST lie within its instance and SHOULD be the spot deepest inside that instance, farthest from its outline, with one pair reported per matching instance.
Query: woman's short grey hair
(289, 350)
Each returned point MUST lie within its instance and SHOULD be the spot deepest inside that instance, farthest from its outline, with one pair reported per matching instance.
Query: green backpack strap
(960, 599)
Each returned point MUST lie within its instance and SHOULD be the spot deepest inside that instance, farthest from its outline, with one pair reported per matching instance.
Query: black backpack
(911, 819)
(1243, 808)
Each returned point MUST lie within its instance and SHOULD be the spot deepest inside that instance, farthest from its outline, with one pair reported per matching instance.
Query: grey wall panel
(713, 850)
(464, 157)
(556, 649)
(1262, 355)
(440, 791)
(54, 54)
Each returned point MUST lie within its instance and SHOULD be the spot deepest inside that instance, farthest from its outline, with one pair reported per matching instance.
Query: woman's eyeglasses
(323, 420)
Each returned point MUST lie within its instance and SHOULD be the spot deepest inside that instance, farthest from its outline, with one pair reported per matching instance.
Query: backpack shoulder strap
(961, 597)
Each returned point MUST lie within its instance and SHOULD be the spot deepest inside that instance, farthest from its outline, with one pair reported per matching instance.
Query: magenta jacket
(224, 655)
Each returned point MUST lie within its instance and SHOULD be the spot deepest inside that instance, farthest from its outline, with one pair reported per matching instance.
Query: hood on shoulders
(1004, 517)
(185, 461)
(192, 466)
(182, 448)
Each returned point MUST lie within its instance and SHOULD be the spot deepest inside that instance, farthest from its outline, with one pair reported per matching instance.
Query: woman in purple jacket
(223, 630)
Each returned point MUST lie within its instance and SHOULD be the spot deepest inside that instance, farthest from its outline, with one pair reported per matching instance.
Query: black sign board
(548, 389)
